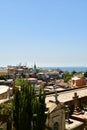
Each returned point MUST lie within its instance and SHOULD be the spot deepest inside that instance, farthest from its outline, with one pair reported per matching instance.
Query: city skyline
(45, 32)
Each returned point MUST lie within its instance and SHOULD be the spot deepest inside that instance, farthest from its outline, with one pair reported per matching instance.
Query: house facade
(77, 82)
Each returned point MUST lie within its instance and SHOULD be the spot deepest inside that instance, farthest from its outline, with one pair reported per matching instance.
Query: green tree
(6, 114)
(67, 76)
(3, 77)
(22, 110)
(39, 111)
(73, 72)
(20, 82)
(26, 104)
(85, 74)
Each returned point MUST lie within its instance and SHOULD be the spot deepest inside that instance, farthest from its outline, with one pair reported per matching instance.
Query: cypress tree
(22, 110)
(39, 111)
(28, 108)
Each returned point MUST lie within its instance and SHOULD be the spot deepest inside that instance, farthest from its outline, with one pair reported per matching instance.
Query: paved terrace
(67, 95)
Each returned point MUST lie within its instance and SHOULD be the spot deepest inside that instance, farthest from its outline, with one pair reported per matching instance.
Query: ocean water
(69, 69)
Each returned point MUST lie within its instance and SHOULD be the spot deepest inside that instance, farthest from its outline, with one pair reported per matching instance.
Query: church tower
(35, 68)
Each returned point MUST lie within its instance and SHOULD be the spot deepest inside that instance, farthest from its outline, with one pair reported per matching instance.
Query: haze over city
(45, 32)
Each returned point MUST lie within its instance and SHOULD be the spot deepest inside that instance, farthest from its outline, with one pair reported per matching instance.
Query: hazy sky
(45, 32)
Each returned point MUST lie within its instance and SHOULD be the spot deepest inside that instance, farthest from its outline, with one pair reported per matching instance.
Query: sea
(69, 69)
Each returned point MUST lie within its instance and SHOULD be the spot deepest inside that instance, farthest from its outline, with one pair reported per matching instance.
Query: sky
(44, 32)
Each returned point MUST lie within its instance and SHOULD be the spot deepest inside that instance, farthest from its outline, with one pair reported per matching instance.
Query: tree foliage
(67, 76)
(20, 82)
(6, 114)
(3, 77)
(39, 111)
(85, 74)
(74, 72)
(26, 104)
